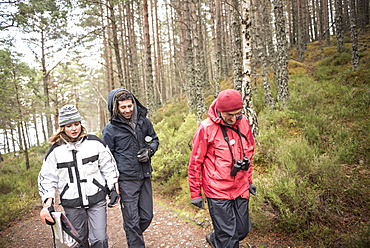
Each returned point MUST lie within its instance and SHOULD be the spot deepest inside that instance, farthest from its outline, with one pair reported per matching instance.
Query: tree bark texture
(339, 25)
(354, 36)
(148, 57)
(246, 86)
(282, 56)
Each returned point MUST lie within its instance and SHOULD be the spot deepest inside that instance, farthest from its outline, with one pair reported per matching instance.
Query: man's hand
(144, 154)
(114, 198)
(47, 209)
(199, 202)
(252, 189)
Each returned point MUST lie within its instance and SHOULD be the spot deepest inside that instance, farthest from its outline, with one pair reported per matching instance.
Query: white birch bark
(246, 85)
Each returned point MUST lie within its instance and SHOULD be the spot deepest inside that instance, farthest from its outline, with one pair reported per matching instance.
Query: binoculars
(240, 165)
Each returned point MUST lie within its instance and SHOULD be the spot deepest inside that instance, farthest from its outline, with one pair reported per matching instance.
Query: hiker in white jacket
(82, 168)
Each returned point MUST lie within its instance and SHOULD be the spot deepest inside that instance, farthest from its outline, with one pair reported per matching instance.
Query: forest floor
(167, 230)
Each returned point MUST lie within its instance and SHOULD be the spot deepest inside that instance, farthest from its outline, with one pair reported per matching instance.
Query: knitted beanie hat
(68, 114)
(229, 100)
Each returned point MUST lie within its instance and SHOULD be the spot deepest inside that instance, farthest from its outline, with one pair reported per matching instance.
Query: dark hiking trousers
(137, 209)
(91, 224)
(231, 221)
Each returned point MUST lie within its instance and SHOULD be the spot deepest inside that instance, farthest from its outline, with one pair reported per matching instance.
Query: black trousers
(231, 221)
(137, 209)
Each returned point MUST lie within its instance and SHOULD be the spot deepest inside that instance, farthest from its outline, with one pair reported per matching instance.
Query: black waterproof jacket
(124, 142)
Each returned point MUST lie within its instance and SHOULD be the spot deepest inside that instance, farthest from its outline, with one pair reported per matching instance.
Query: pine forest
(302, 67)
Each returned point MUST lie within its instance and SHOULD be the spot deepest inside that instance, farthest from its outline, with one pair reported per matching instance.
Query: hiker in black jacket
(132, 141)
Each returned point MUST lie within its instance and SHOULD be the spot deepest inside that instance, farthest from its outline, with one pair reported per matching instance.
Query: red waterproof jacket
(211, 160)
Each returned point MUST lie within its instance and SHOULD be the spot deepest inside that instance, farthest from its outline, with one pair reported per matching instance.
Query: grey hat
(68, 114)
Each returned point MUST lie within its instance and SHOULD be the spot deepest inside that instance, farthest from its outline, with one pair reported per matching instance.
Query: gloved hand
(47, 209)
(253, 189)
(114, 198)
(144, 154)
(199, 202)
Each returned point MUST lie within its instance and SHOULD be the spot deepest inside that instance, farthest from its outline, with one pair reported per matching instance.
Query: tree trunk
(282, 50)
(236, 45)
(339, 25)
(189, 55)
(159, 75)
(148, 65)
(36, 129)
(263, 48)
(45, 80)
(199, 65)
(246, 86)
(217, 44)
(170, 41)
(13, 139)
(363, 14)
(123, 42)
(353, 21)
(253, 33)
(21, 123)
(326, 21)
(314, 21)
(107, 50)
(7, 140)
(132, 53)
(115, 43)
(43, 126)
(301, 44)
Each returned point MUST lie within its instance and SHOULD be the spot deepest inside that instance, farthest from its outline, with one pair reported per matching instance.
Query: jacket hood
(111, 96)
(213, 115)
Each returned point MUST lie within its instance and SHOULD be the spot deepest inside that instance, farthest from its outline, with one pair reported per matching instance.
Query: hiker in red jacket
(221, 165)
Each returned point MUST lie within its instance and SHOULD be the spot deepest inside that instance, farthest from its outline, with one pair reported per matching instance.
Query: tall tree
(46, 22)
(21, 121)
(282, 50)
(246, 87)
(199, 65)
(148, 58)
(112, 17)
(339, 25)
(354, 35)
(13, 77)
(188, 53)
(216, 13)
(264, 51)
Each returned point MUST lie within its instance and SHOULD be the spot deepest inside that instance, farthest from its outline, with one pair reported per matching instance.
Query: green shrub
(18, 186)
(171, 160)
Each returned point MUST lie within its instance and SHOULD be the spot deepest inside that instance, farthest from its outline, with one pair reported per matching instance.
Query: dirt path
(166, 231)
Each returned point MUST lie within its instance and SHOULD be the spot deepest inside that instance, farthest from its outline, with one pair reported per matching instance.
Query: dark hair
(124, 95)
(121, 96)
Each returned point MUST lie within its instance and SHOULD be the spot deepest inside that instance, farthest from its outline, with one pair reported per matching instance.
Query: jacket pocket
(91, 164)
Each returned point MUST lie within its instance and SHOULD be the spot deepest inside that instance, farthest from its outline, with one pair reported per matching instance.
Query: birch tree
(246, 87)
(264, 51)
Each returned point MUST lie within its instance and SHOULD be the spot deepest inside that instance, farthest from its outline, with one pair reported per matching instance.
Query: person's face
(231, 117)
(126, 108)
(73, 130)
